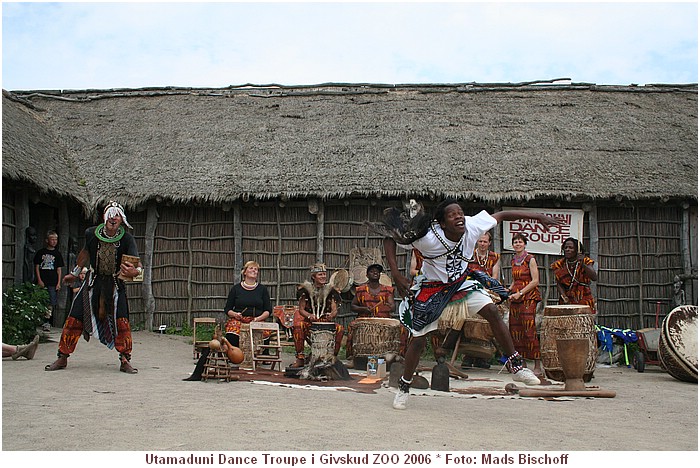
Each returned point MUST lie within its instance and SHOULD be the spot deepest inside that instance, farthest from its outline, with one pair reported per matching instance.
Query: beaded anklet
(404, 385)
(514, 362)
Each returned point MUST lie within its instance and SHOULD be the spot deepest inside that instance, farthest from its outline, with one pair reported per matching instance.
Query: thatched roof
(496, 143)
(32, 155)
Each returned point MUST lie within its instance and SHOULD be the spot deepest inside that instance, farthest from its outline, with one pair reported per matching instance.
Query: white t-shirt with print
(447, 268)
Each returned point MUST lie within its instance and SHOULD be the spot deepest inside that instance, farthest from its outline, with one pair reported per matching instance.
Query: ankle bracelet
(404, 385)
(515, 362)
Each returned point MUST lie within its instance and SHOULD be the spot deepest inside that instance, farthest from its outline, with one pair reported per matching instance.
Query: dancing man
(444, 291)
(101, 307)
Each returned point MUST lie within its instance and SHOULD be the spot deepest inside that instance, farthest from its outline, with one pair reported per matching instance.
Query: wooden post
(685, 249)
(640, 302)
(237, 237)
(278, 266)
(190, 260)
(547, 278)
(320, 224)
(63, 234)
(149, 301)
(593, 243)
(21, 225)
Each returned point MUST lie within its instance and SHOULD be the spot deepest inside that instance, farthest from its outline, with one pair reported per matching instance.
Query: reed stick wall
(195, 259)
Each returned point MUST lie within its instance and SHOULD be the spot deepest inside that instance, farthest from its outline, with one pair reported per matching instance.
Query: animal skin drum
(567, 321)
(477, 339)
(375, 336)
(678, 346)
(341, 280)
(322, 338)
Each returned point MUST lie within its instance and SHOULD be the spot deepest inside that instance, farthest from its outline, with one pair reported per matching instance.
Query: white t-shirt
(447, 268)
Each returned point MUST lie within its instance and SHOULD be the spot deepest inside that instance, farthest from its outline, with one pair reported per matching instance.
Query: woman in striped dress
(524, 298)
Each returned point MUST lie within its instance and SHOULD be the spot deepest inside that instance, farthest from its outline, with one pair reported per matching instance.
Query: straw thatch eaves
(31, 154)
(496, 143)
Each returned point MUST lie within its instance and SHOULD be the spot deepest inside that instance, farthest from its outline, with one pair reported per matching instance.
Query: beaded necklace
(573, 274)
(101, 234)
(482, 261)
(519, 260)
(249, 287)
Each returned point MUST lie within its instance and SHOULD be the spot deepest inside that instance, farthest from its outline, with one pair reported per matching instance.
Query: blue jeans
(53, 295)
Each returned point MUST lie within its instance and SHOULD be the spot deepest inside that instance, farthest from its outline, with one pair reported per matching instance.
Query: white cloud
(88, 45)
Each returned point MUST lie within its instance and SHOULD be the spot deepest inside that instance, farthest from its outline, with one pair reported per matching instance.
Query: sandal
(299, 363)
(126, 367)
(58, 364)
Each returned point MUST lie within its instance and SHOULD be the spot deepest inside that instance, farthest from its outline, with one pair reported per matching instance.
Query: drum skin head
(678, 346)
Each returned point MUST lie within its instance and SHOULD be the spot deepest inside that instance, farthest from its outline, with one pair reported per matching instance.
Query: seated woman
(248, 301)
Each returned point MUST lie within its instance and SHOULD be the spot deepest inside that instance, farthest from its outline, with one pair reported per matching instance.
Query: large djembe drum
(678, 345)
(375, 336)
(567, 321)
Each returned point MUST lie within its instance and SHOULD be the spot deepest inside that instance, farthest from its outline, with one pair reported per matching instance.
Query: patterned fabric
(100, 308)
(522, 312)
(419, 259)
(234, 326)
(491, 261)
(579, 290)
(432, 299)
(378, 304)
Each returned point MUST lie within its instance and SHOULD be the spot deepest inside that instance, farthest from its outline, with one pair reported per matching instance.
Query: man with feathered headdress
(318, 302)
(100, 307)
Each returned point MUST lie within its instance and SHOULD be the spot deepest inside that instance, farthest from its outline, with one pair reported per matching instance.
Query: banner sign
(544, 240)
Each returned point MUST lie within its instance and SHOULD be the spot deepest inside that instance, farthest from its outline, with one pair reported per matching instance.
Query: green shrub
(24, 308)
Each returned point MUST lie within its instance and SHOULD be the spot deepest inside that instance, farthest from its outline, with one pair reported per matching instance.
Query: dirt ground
(90, 405)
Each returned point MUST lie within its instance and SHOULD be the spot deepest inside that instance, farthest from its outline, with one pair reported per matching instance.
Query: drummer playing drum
(373, 300)
(318, 302)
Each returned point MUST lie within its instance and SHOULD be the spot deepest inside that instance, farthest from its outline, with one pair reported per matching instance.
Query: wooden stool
(197, 345)
(275, 350)
(219, 367)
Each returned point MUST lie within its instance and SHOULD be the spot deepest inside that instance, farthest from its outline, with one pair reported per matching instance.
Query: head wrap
(115, 209)
(318, 268)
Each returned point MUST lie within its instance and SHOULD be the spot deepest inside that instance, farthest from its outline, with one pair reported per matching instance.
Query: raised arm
(401, 281)
(514, 215)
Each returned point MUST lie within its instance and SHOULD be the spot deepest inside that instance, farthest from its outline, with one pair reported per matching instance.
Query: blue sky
(134, 44)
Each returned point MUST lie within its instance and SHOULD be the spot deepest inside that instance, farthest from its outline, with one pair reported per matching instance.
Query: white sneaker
(400, 400)
(526, 376)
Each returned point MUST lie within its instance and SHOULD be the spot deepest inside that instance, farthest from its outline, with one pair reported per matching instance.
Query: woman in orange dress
(524, 297)
(573, 275)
